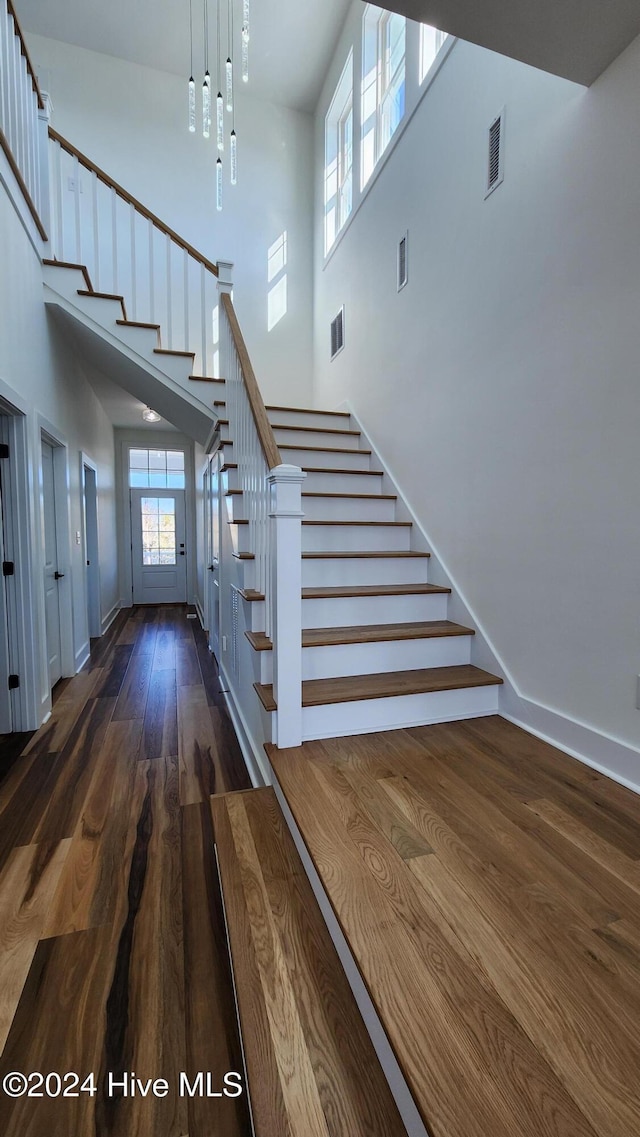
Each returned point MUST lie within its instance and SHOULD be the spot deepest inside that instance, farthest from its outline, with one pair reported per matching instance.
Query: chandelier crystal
(229, 45)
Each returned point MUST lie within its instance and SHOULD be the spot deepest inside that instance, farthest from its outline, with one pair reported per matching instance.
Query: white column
(225, 284)
(286, 512)
(43, 204)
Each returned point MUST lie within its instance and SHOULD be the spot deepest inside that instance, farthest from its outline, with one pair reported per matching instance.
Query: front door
(158, 546)
(51, 574)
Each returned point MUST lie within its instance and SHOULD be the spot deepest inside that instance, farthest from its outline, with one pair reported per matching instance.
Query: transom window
(338, 160)
(383, 84)
(431, 40)
(156, 469)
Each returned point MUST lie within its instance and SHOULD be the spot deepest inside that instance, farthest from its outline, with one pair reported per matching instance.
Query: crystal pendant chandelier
(224, 74)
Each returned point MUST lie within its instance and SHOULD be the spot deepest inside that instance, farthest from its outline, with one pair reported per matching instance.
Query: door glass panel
(158, 530)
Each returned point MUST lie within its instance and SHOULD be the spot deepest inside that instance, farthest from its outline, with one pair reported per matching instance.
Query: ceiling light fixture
(150, 416)
(224, 76)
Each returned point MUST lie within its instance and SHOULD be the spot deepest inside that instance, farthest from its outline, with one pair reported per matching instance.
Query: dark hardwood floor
(113, 953)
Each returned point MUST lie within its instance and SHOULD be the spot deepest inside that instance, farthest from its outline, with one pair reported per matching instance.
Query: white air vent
(495, 157)
(337, 333)
(235, 619)
(403, 263)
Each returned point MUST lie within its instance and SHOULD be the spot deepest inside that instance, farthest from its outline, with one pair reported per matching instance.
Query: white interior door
(91, 550)
(212, 506)
(158, 546)
(51, 574)
(6, 717)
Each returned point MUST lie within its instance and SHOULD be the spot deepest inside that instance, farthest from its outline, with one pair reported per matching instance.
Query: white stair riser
(334, 460)
(340, 719)
(102, 312)
(359, 538)
(360, 570)
(255, 615)
(347, 509)
(319, 419)
(141, 340)
(368, 659)
(339, 482)
(350, 611)
(373, 658)
(317, 438)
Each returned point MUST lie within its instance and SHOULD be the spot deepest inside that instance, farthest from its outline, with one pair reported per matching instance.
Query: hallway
(113, 954)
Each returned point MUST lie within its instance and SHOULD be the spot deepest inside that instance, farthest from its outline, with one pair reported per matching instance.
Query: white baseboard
(200, 612)
(252, 752)
(610, 756)
(110, 617)
(82, 656)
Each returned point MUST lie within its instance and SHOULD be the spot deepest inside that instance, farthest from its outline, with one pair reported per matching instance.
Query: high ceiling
(576, 39)
(291, 40)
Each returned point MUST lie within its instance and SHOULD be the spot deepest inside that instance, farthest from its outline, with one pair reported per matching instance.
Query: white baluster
(151, 276)
(286, 575)
(96, 233)
(169, 312)
(186, 301)
(134, 297)
(76, 186)
(203, 319)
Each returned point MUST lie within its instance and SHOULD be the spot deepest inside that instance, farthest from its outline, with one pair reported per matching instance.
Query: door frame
(23, 636)
(91, 548)
(48, 433)
(136, 493)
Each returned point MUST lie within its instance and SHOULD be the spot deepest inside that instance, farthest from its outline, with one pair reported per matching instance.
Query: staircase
(378, 651)
(130, 349)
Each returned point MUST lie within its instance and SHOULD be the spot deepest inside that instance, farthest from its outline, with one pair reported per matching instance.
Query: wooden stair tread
(307, 1052)
(316, 429)
(334, 470)
(367, 633)
(384, 685)
(322, 592)
(138, 324)
(404, 524)
(204, 379)
(358, 496)
(244, 556)
(360, 555)
(71, 264)
(308, 411)
(172, 351)
(104, 296)
(325, 450)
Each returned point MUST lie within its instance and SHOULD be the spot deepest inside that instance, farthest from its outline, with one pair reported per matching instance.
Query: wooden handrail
(138, 206)
(260, 417)
(4, 145)
(25, 52)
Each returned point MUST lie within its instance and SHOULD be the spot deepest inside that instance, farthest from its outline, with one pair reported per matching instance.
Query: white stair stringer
(378, 652)
(127, 353)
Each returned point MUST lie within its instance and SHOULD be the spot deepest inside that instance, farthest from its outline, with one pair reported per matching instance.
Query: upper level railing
(131, 252)
(21, 107)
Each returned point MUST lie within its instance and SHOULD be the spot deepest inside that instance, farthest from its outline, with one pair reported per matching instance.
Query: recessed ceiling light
(150, 416)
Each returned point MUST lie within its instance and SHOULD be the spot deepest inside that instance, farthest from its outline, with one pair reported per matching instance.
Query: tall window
(383, 83)
(431, 40)
(338, 157)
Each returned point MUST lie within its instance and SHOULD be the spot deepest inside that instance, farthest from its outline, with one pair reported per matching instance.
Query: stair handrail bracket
(272, 504)
(24, 118)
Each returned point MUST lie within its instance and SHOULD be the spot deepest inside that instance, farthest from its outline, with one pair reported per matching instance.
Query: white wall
(131, 121)
(501, 385)
(41, 369)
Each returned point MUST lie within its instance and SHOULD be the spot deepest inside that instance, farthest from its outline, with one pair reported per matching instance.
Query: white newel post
(44, 188)
(286, 512)
(225, 284)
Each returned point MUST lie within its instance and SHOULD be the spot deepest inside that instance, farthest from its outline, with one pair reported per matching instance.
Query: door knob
(58, 575)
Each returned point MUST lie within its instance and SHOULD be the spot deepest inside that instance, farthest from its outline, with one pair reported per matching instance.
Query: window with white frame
(338, 157)
(431, 40)
(383, 84)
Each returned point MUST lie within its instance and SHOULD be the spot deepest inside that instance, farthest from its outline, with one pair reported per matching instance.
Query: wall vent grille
(403, 262)
(235, 619)
(337, 333)
(495, 161)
